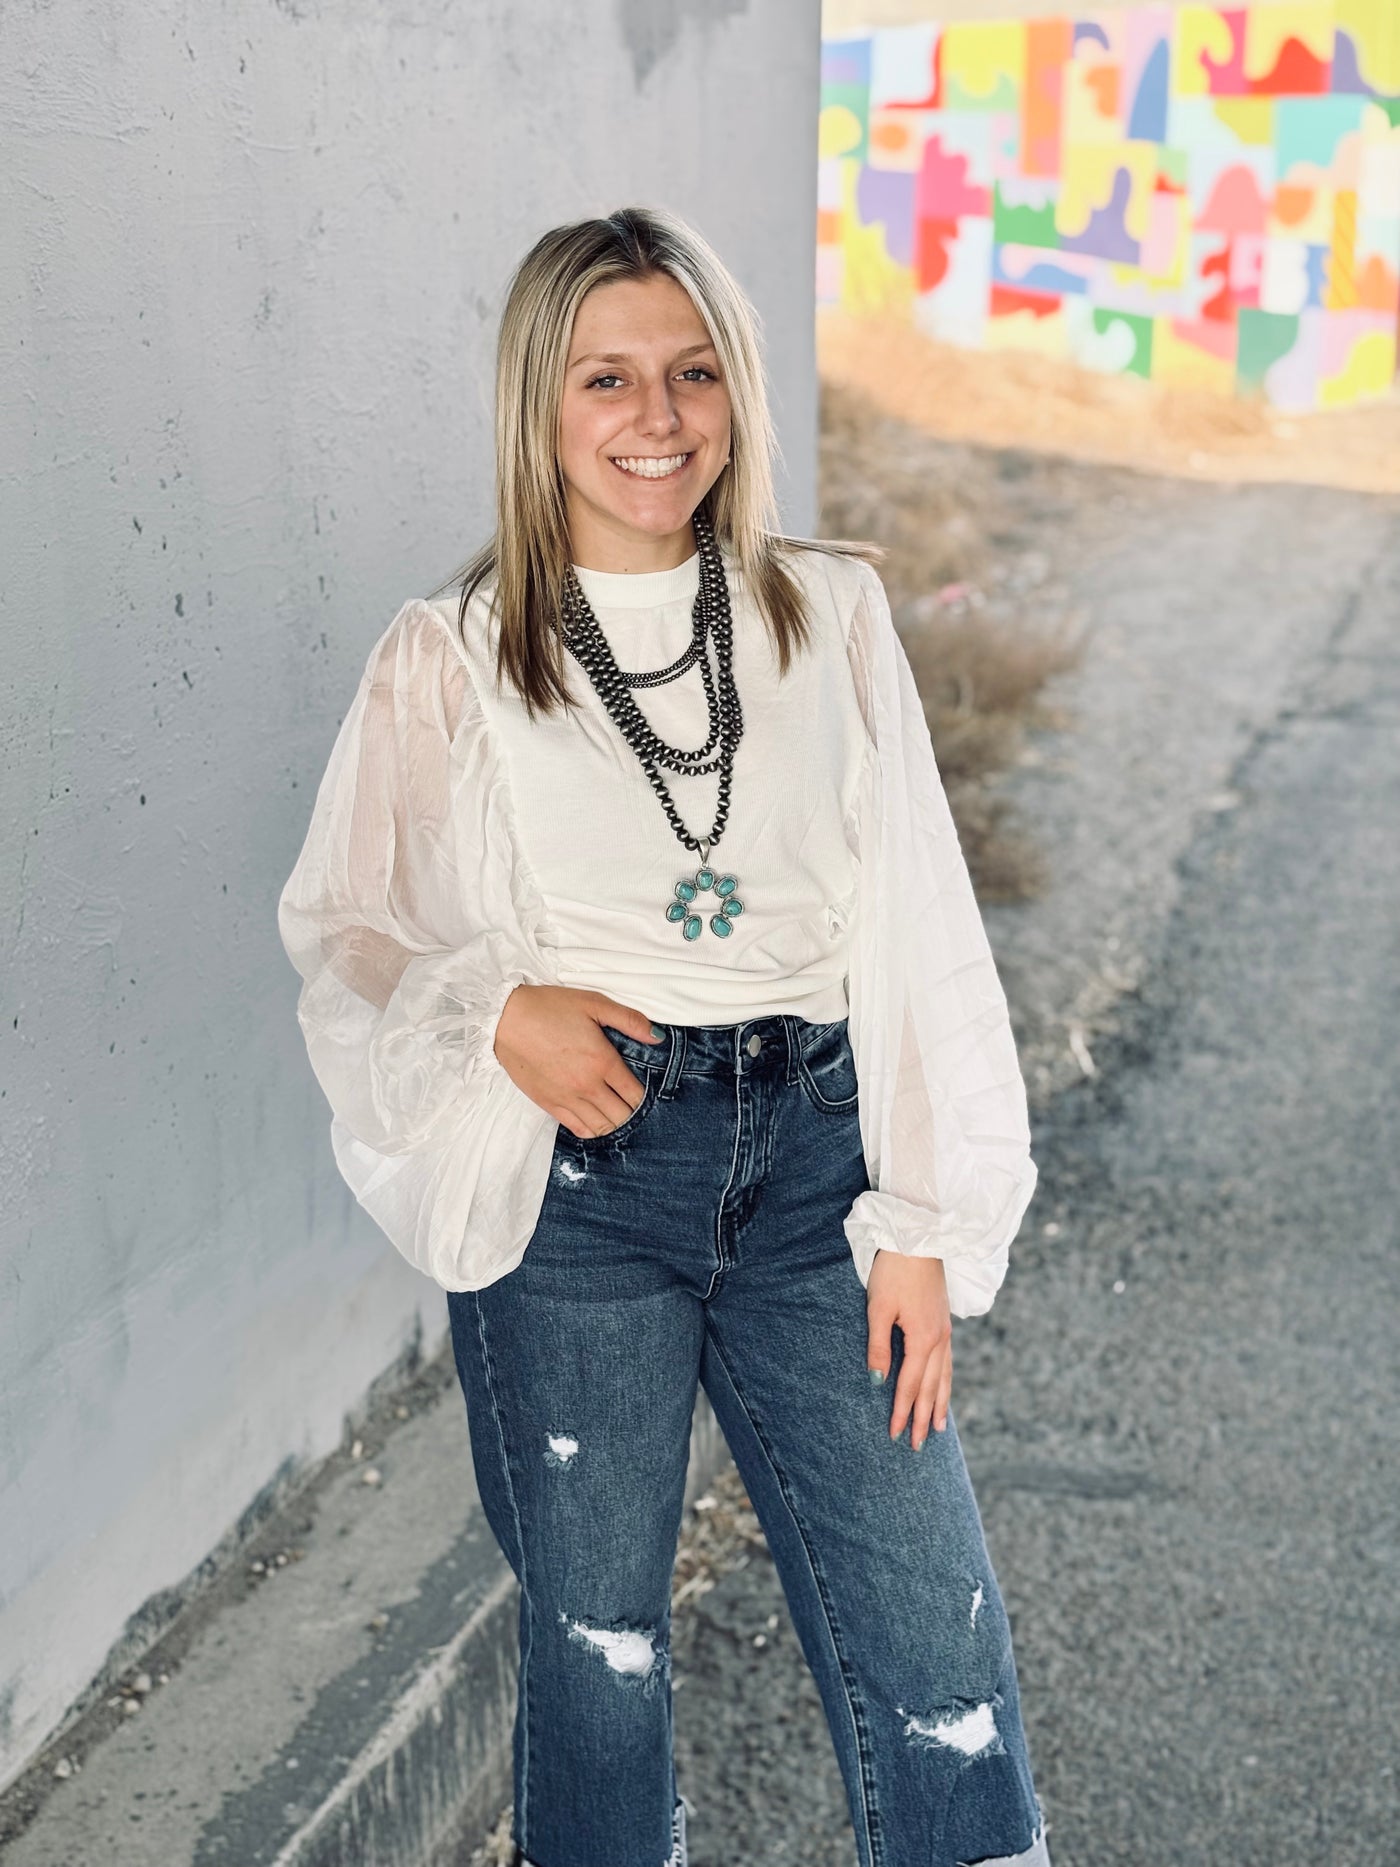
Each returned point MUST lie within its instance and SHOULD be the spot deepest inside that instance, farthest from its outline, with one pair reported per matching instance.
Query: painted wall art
(1201, 195)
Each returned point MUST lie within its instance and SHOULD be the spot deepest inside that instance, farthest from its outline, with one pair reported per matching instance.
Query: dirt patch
(1004, 398)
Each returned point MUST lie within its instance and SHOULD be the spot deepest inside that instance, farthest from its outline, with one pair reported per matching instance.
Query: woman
(644, 976)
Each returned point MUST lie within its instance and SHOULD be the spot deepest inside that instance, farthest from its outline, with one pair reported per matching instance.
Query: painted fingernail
(918, 1444)
(877, 1376)
(657, 1031)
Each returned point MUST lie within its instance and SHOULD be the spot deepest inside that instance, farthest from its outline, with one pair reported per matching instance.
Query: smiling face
(643, 425)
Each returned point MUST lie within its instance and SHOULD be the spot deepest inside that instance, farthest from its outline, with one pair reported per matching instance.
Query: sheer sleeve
(943, 1109)
(408, 920)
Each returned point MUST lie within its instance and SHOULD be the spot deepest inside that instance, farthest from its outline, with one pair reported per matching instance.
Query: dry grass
(720, 1527)
(913, 431)
(1008, 398)
(981, 644)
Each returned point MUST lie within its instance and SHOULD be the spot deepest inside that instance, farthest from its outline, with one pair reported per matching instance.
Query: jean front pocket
(826, 1069)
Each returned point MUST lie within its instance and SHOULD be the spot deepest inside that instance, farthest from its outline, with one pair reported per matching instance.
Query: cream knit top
(604, 856)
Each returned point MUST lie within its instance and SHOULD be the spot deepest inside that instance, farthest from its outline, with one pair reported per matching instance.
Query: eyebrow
(617, 356)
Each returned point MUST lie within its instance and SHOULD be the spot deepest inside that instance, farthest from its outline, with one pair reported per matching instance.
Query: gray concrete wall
(251, 262)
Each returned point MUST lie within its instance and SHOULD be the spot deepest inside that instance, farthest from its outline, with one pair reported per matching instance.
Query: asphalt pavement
(1180, 1415)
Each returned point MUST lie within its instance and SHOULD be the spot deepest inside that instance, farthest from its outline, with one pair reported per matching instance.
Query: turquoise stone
(733, 905)
(721, 925)
(686, 890)
(693, 927)
(704, 878)
(725, 885)
(675, 910)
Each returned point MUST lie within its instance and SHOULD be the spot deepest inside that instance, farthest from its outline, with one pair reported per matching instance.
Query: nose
(659, 410)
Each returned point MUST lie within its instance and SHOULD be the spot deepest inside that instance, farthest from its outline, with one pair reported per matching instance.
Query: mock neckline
(609, 589)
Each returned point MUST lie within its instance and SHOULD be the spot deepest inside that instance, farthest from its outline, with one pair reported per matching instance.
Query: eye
(694, 369)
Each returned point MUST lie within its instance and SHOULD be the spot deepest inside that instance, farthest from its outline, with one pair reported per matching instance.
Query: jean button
(754, 1045)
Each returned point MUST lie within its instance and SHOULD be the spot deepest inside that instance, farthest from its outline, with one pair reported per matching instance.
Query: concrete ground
(1179, 1414)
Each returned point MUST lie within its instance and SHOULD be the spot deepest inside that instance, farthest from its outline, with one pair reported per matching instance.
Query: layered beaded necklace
(711, 622)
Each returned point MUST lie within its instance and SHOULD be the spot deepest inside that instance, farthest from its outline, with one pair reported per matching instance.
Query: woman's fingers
(616, 1097)
(945, 1392)
(586, 1121)
(937, 1378)
(550, 1040)
(628, 1088)
(911, 1374)
(913, 1293)
(879, 1319)
(925, 1381)
(596, 1112)
(623, 1018)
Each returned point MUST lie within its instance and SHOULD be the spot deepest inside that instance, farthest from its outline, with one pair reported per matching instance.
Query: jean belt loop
(674, 1061)
(793, 1045)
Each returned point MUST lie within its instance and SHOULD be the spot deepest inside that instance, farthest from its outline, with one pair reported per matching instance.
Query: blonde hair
(529, 553)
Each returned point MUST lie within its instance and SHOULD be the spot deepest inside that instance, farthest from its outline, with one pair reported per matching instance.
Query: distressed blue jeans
(701, 1241)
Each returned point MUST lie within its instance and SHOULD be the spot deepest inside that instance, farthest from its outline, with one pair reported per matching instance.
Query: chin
(655, 516)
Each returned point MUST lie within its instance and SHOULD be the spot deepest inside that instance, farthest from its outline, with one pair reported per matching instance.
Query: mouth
(652, 466)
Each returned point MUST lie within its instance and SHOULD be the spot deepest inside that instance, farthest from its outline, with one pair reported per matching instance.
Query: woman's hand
(912, 1292)
(551, 1044)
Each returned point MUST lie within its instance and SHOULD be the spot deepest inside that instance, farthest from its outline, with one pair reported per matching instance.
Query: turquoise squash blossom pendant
(683, 908)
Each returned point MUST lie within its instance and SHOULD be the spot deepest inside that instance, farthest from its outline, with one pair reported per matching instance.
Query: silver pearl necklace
(712, 624)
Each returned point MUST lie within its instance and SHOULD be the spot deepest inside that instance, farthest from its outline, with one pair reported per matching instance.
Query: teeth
(649, 468)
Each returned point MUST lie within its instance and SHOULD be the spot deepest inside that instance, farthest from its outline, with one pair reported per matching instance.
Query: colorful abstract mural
(1201, 195)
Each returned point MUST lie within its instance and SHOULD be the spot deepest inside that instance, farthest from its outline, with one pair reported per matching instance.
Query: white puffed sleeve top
(414, 910)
